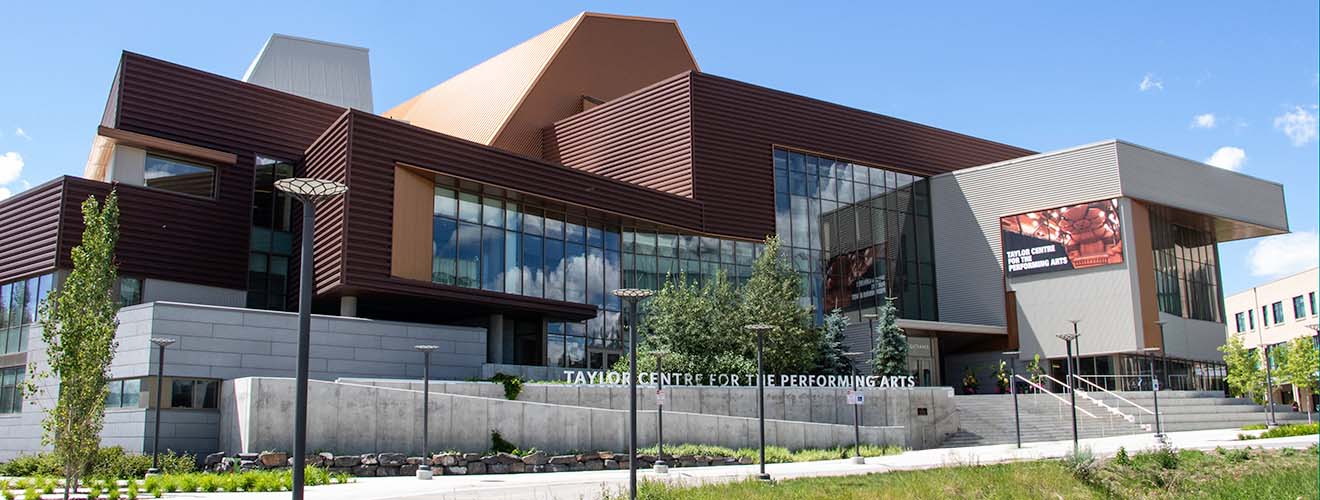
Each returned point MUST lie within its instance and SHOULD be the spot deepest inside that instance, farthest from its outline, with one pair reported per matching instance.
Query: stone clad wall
(351, 418)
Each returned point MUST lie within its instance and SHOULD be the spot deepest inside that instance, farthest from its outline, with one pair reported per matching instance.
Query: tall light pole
(424, 469)
(759, 329)
(1155, 390)
(1164, 357)
(161, 342)
(660, 467)
(1012, 389)
(309, 191)
(870, 331)
(1077, 348)
(1068, 339)
(857, 417)
(632, 296)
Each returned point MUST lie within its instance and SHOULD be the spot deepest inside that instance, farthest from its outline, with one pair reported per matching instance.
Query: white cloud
(1206, 120)
(11, 166)
(1228, 158)
(19, 132)
(1299, 125)
(1150, 82)
(1284, 254)
(5, 193)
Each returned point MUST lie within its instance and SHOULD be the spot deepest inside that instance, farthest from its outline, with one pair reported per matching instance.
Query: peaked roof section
(507, 100)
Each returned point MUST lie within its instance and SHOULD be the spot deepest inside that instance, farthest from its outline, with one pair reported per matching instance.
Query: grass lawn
(1221, 474)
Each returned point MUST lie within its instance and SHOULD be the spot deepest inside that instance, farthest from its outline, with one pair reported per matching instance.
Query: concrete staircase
(988, 419)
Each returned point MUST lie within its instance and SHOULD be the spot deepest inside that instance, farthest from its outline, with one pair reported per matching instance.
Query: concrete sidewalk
(591, 485)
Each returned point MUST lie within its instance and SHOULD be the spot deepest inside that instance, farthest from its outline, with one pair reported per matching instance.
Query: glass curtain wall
(1186, 269)
(18, 310)
(502, 241)
(271, 243)
(857, 234)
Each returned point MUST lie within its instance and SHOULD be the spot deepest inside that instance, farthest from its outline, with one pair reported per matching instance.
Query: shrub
(1082, 465)
(109, 463)
(1253, 427)
(31, 494)
(513, 385)
(113, 492)
(499, 444)
(1291, 430)
(1122, 457)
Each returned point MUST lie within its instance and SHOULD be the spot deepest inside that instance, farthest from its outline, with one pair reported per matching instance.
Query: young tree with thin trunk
(1298, 365)
(891, 348)
(78, 325)
(1244, 375)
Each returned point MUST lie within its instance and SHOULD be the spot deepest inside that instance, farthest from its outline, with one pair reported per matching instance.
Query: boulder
(408, 470)
(457, 470)
(415, 460)
(745, 461)
(471, 457)
(556, 467)
(477, 467)
(536, 468)
(448, 460)
(497, 468)
(370, 459)
(326, 458)
(517, 468)
(489, 460)
(342, 461)
(390, 459)
(583, 457)
(563, 459)
(594, 464)
(215, 458)
(537, 458)
(606, 455)
(506, 458)
(248, 456)
(365, 470)
(386, 471)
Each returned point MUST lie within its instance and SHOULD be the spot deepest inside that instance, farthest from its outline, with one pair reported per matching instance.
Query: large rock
(457, 470)
(745, 461)
(490, 460)
(594, 464)
(537, 458)
(506, 458)
(477, 467)
(471, 457)
(563, 459)
(386, 471)
(606, 455)
(365, 471)
(342, 461)
(591, 455)
(611, 465)
(408, 470)
(248, 456)
(498, 468)
(557, 468)
(326, 458)
(215, 458)
(416, 460)
(370, 459)
(390, 459)
(448, 460)
(517, 468)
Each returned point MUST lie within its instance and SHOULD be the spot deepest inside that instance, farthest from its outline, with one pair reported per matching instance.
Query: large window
(18, 310)
(11, 390)
(194, 393)
(125, 393)
(271, 242)
(1186, 269)
(1299, 307)
(179, 176)
(856, 233)
(1241, 322)
(1277, 309)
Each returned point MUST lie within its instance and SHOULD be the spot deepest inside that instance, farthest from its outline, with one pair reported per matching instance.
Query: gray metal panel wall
(1181, 183)
(966, 206)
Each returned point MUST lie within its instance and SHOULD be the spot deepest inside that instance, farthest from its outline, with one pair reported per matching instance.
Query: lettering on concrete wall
(586, 377)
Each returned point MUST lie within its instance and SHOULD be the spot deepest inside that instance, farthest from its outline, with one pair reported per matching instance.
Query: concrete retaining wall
(257, 413)
(926, 414)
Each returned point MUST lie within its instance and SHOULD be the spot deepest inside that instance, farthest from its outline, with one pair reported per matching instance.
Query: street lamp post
(870, 328)
(660, 467)
(424, 469)
(1012, 389)
(1155, 391)
(1164, 357)
(632, 296)
(857, 417)
(760, 329)
(160, 390)
(1068, 339)
(309, 191)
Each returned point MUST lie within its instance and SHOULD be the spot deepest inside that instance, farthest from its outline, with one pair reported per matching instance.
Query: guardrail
(1055, 396)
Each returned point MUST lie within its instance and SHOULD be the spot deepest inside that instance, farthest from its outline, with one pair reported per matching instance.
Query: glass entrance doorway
(921, 360)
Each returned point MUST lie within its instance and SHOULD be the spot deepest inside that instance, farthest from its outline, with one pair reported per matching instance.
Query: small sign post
(856, 397)
(659, 397)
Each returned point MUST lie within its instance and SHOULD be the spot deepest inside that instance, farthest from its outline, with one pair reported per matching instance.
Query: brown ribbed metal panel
(644, 138)
(327, 158)
(161, 235)
(377, 144)
(29, 231)
(736, 125)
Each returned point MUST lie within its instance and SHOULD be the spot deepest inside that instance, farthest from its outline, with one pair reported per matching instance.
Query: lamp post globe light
(661, 466)
(1068, 339)
(424, 469)
(1155, 391)
(857, 417)
(760, 329)
(309, 191)
(632, 296)
(1012, 389)
(162, 343)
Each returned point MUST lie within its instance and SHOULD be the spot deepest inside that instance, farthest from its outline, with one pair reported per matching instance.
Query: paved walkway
(591, 485)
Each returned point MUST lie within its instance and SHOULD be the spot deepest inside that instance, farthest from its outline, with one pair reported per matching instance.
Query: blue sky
(1041, 75)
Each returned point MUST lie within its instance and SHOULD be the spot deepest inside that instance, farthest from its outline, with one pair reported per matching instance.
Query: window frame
(215, 174)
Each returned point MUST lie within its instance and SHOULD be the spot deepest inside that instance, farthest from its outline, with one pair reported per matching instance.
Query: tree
(891, 348)
(831, 359)
(1244, 377)
(1299, 364)
(78, 325)
(771, 297)
(700, 328)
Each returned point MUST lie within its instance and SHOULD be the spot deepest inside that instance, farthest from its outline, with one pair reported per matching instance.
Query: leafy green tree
(78, 326)
(1244, 377)
(699, 326)
(771, 296)
(1299, 364)
(891, 348)
(830, 357)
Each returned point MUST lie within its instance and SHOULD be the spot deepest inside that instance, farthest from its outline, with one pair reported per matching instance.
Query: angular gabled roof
(507, 100)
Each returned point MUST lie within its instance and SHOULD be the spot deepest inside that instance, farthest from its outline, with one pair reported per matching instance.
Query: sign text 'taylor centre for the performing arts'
(742, 380)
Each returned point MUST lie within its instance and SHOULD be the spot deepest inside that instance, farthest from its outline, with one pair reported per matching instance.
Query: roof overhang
(949, 327)
(98, 161)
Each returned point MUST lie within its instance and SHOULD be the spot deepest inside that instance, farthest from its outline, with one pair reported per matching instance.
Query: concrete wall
(884, 407)
(352, 418)
(154, 290)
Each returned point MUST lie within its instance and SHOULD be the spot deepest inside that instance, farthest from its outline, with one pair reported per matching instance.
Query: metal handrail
(1092, 399)
(1111, 393)
(1055, 396)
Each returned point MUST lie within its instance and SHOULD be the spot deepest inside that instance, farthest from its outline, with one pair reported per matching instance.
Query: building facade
(1275, 313)
(494, 219)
